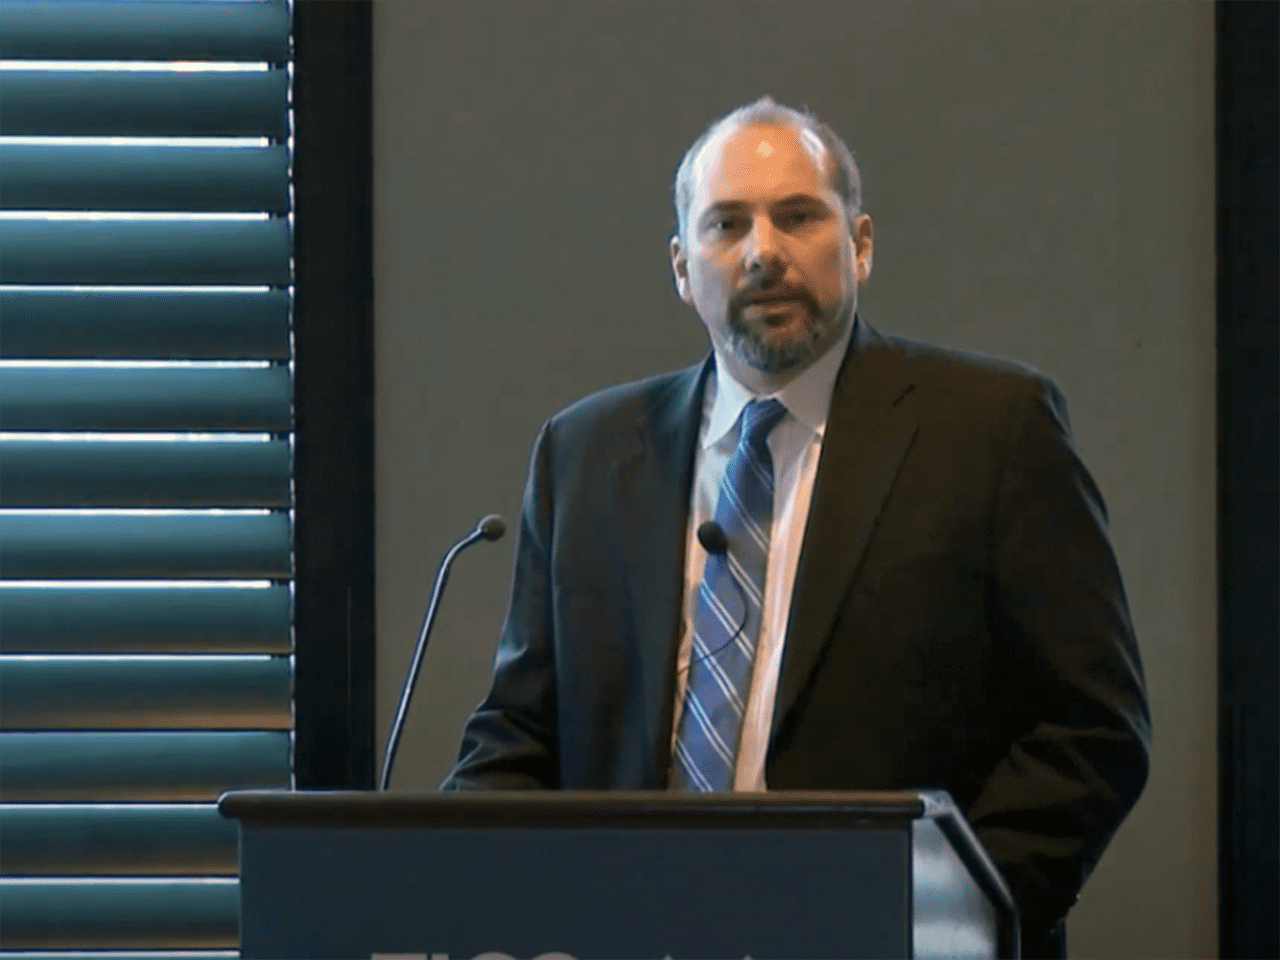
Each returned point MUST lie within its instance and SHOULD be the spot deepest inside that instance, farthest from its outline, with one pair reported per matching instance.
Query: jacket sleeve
(510, 740)
(1054, 800)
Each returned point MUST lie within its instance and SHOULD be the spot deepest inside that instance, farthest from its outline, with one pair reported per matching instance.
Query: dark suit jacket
(957, 621)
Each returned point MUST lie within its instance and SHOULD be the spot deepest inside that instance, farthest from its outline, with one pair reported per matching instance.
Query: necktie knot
(758, 418)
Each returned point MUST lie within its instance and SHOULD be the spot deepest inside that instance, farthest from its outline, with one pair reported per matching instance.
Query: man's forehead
(808, 139)
(763, 139)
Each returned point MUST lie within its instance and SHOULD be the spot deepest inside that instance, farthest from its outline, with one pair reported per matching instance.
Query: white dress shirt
(795, 445)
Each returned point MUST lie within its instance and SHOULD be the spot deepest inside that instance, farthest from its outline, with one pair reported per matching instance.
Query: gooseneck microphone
(713, 539)
(490, 527)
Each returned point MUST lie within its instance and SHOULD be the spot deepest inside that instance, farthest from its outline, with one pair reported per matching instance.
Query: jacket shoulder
(622, 404)
(968, 370)
(971, 382)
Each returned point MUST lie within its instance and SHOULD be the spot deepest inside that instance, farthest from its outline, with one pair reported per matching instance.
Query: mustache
(757, 293)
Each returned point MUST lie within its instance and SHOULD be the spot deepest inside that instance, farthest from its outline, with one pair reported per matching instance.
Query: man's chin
(784, 348)
(778, 354)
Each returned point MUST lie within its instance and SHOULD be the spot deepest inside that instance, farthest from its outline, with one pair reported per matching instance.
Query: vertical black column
(333, 395)
(1248, 493)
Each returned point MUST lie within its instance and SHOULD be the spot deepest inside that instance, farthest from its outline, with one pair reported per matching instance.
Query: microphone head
(711, 536)
(491, 527)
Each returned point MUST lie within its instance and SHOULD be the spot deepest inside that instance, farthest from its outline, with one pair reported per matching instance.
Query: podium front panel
(592, 893)
(646, 875)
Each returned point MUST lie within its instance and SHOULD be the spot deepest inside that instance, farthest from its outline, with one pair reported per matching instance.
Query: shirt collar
(807, 397)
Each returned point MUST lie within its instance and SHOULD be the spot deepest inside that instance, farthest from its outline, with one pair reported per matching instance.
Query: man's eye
(799, 216)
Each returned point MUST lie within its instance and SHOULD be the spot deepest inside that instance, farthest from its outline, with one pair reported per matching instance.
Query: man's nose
(763, 254)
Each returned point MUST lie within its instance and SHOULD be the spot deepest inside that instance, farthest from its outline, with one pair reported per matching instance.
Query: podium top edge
(594, 808)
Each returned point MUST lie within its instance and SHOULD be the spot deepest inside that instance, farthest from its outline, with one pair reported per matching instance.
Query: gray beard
(753, 349)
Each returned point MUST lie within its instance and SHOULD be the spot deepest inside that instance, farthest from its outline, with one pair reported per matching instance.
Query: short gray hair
(845, 178)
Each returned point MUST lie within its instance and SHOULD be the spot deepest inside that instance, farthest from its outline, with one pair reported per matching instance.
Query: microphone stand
(491, 527)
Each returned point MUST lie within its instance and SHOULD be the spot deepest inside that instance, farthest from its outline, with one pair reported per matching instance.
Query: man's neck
(760, 382)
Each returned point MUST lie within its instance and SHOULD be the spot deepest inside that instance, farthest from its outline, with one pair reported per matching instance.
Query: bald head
(827, 149)
(769, 259)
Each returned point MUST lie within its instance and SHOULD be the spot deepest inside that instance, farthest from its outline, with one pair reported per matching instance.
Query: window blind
(146, 432)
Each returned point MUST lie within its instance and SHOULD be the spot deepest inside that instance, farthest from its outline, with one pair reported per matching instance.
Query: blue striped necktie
(706, 745)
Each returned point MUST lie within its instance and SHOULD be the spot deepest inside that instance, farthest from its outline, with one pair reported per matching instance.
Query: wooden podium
(615, 876)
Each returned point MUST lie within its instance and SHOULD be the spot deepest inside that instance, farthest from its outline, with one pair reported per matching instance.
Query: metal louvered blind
(145, 463)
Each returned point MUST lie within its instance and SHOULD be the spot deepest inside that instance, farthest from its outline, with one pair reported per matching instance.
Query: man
(906, 582)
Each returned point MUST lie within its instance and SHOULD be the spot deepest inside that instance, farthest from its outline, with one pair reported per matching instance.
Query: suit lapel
(869, 429)
(653, 480)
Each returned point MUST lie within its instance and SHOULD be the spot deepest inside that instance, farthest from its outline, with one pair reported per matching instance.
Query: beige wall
(1041, 179)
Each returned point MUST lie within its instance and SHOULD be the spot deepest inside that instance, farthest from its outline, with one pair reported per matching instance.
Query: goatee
(753, 346)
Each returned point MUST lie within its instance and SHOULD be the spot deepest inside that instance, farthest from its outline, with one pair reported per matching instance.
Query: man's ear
(862, 237)
(680, 270)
